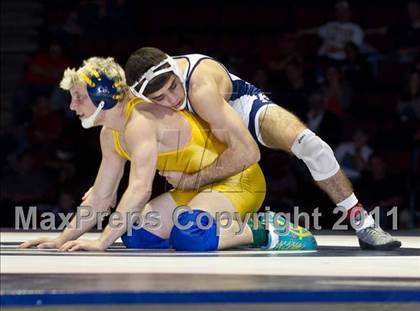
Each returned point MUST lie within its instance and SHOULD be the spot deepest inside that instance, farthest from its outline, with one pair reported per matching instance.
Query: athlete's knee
(317, 155)
(195, 230)
(141, 238)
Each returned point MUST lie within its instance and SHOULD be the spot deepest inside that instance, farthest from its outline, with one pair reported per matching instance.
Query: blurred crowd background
(350, 70)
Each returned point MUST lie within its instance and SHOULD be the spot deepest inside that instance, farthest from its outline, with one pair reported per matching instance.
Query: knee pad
(200, 235)
(141, 238)
(317, 155)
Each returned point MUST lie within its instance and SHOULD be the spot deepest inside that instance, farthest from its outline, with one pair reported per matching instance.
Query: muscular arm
(106, 183)
(242, 150)
(141, 140)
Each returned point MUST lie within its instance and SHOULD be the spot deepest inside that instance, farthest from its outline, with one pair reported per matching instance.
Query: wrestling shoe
(374, 238)
(295, 238)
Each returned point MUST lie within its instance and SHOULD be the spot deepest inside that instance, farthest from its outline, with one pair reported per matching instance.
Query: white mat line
(365, 266)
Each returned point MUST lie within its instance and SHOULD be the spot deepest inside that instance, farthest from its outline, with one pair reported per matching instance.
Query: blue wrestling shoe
(279, 238)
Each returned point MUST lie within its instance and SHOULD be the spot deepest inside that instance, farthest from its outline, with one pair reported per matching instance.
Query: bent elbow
(253, 155)
(256, 156)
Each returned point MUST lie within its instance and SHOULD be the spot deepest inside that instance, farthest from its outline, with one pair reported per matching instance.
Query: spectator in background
(353, 156)
(378, 188)
(46, 126)
(42, 75)
(69, 33)
(409, 100)
(29, 183)
(45, 68)
(282, 188)
(406, 34)
(338, 95)
(72, 26)
(293, 93)
(356, 70)
(321, 121)
(284, 51)
(335, 34)
(62, 164)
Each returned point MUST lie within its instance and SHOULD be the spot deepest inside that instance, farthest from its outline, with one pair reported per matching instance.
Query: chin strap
(90, 121)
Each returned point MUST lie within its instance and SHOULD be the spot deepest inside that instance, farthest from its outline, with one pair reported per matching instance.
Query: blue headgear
(102, 89)
(103, 92)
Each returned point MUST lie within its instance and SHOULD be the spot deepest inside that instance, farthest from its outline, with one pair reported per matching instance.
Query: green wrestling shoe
(297, 237)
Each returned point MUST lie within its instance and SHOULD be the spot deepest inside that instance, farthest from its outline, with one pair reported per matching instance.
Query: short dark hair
(142, 60)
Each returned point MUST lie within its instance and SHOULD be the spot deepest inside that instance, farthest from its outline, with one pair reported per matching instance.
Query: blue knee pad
(194, 238)
(141, 238)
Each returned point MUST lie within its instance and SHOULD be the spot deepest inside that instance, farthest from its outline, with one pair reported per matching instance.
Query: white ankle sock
(351, 202)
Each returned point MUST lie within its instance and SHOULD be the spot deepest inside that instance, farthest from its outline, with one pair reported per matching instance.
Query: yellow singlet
(245, 190)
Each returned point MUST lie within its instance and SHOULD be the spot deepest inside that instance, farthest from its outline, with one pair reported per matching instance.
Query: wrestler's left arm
(141, 139)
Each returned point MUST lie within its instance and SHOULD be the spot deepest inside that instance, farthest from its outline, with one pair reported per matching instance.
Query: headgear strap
(140, 85)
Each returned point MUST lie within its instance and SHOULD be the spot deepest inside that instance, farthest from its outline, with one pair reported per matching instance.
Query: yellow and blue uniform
(246, 190)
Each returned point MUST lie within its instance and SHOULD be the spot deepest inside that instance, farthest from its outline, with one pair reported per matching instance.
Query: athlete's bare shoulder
(107, 141)
(210, 71)
(145, 109)
(209, 68)
(150, 113)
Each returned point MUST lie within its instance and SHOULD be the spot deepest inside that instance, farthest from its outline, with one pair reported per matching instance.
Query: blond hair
(108, 66)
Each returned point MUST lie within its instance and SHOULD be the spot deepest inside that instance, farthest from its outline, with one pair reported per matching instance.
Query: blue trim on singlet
(241, 88)
(189, 107)
(256, 105)
(191, 70)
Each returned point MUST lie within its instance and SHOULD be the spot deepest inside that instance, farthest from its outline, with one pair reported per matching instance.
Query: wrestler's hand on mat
(42, 243)
(82, 245)
(179, 180)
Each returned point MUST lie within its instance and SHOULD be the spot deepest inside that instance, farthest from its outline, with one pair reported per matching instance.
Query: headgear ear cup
(103, 91)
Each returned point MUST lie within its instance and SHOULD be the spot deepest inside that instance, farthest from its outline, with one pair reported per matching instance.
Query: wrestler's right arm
(99, 199)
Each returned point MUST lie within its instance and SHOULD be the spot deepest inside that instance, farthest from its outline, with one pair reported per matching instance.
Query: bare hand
(82, 245)
(42, 243)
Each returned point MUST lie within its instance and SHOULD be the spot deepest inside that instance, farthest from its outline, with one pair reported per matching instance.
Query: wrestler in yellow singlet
(245, 190)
